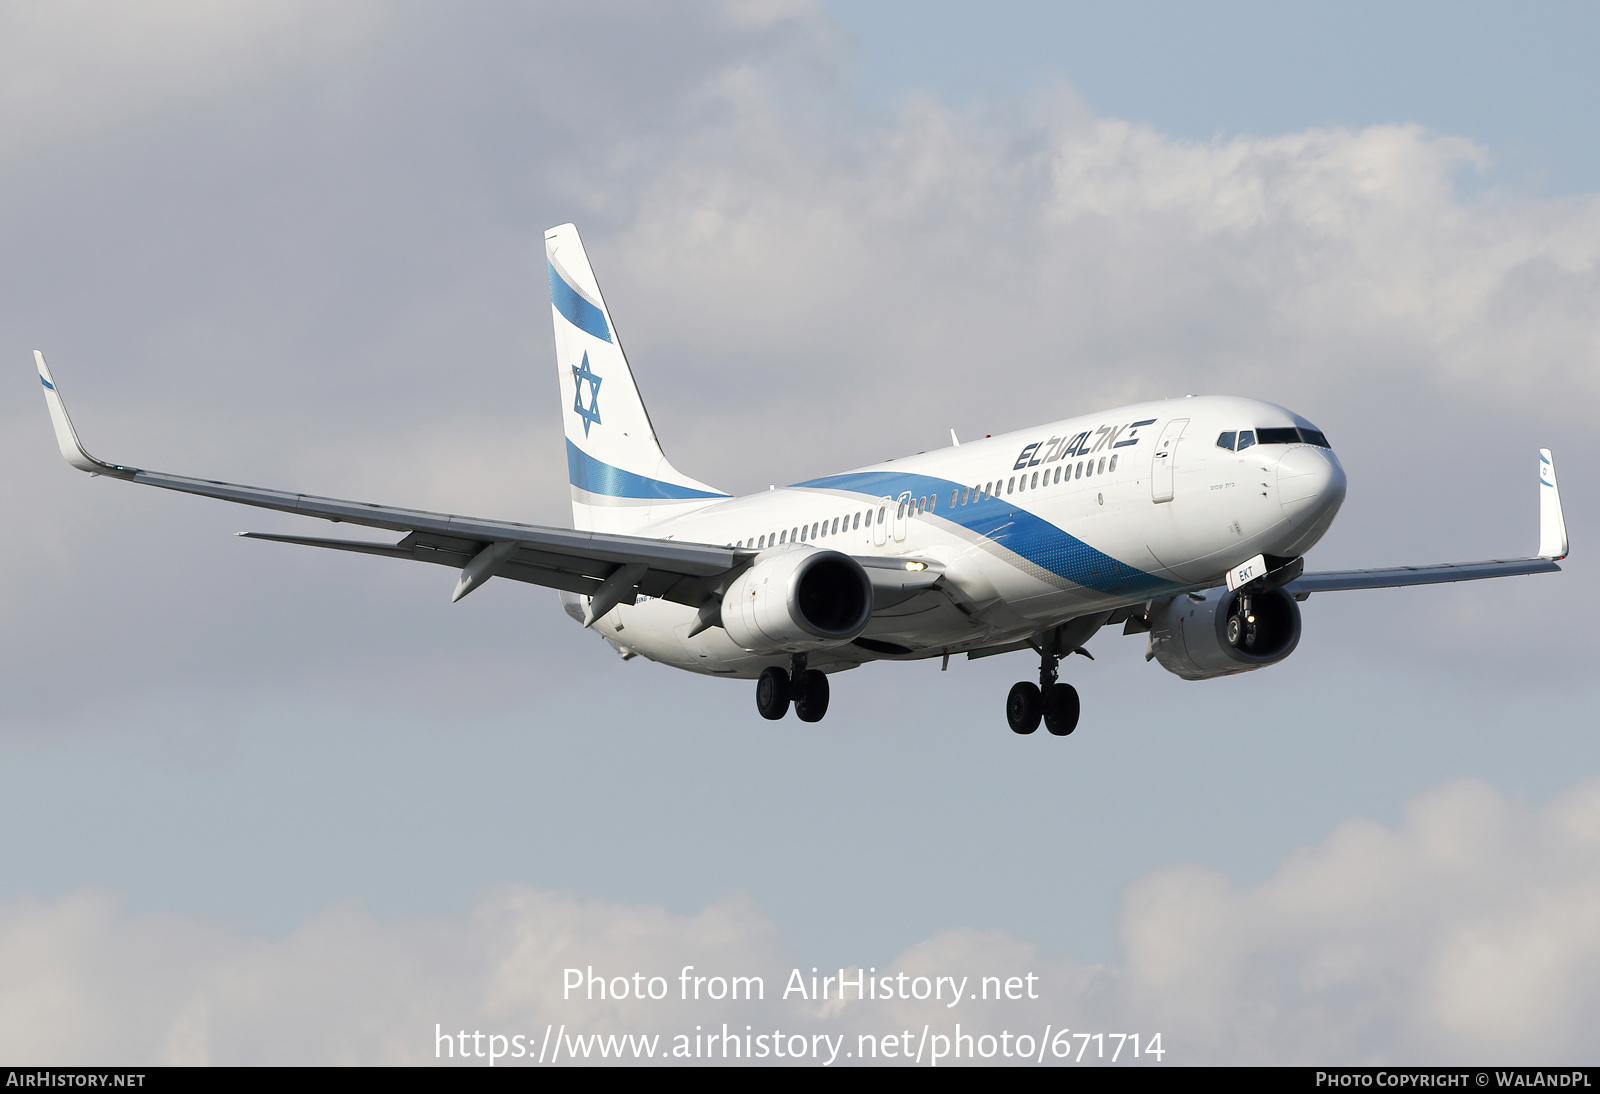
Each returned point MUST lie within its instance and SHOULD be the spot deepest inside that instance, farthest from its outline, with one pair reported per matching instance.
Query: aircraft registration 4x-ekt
(1186, 519)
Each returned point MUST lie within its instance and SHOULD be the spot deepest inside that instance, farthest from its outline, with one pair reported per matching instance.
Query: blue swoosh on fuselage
(1010, 526)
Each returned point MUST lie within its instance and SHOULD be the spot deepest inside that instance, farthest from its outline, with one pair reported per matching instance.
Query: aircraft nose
(1311, 484)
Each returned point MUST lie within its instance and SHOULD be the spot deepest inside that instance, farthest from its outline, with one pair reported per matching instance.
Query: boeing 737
(1185, 519)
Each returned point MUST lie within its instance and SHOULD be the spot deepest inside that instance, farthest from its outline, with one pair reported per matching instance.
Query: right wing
(1552, 548)
(560, 558)
(607, 568)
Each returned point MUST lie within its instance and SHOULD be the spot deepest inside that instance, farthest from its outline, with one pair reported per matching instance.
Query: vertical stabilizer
(620, 480)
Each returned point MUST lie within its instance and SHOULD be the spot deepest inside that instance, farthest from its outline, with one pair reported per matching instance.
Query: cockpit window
(1246, 439)
(1226, 440)
(1292, 436)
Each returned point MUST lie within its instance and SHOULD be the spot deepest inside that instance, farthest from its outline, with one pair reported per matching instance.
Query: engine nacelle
(797, 599)
(1202, 639)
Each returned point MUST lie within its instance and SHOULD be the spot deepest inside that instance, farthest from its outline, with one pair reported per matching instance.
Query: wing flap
(570, 573)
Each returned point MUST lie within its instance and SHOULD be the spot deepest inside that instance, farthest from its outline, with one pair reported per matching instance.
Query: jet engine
(1223, 633)
(797, 599)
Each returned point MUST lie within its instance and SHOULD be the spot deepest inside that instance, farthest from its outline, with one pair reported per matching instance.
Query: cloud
(264, 247)
(76, 70)
(1469, 934)
(337, 289)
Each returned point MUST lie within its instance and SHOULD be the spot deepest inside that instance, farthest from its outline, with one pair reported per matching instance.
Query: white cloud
(77, 68)
(1470, 934)
(1094, 259)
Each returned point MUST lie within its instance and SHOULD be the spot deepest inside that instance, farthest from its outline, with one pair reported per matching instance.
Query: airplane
(1184, 519)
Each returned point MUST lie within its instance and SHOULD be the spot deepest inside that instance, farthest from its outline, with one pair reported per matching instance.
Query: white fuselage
(1032, 529)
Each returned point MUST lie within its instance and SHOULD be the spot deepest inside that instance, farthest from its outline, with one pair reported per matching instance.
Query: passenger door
(1161, 464)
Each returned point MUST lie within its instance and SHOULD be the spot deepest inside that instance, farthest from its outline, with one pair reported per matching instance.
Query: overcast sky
(260, 803)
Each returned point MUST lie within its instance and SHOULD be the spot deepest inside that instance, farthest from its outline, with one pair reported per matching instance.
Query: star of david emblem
(591, 413)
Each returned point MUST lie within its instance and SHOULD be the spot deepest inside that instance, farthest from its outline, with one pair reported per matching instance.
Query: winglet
(67, 437)
(1552, 524)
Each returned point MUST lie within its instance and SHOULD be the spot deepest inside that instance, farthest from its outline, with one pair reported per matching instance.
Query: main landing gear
(1056, 703)
(806, 688)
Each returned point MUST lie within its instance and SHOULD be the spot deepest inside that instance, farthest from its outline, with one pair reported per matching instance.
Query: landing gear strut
(1056, 703)
(806, 688)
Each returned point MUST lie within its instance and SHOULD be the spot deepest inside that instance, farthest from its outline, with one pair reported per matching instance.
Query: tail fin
(620, 479)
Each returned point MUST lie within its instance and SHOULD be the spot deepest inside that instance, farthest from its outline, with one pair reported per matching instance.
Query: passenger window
(900, 512)
(763, 541)
(1011, 485)
(1022, 484)
(1246, 439)
(933, 502)
(813, 531)
(1079, 475)
(955, 496)
(1035, 479)
(1102, 470)
(857, 523)
(1226, 440)
(1058, 474)
(881, 511)
(836, 525)
(966, 495)
(1113, 466)
(1090, 469)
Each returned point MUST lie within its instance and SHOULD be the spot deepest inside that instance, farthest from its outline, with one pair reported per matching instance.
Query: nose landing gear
(806, 688)
(1057, 704)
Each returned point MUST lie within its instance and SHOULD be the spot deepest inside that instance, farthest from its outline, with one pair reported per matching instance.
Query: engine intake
(797, 599)
(1226, 633)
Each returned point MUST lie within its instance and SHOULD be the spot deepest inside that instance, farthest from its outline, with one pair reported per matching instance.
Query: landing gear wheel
(811, 699)
(1022, 707)
(1235, 630)
(1061, 709)
(772, 693)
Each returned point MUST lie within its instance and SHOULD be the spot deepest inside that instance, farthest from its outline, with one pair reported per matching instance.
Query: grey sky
(298, 254)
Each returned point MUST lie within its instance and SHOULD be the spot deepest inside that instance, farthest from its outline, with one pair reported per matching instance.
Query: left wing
(607, 568)
(1552, 548)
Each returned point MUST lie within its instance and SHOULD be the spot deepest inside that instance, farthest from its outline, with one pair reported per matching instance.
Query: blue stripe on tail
(598, 477)
(578, 311)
